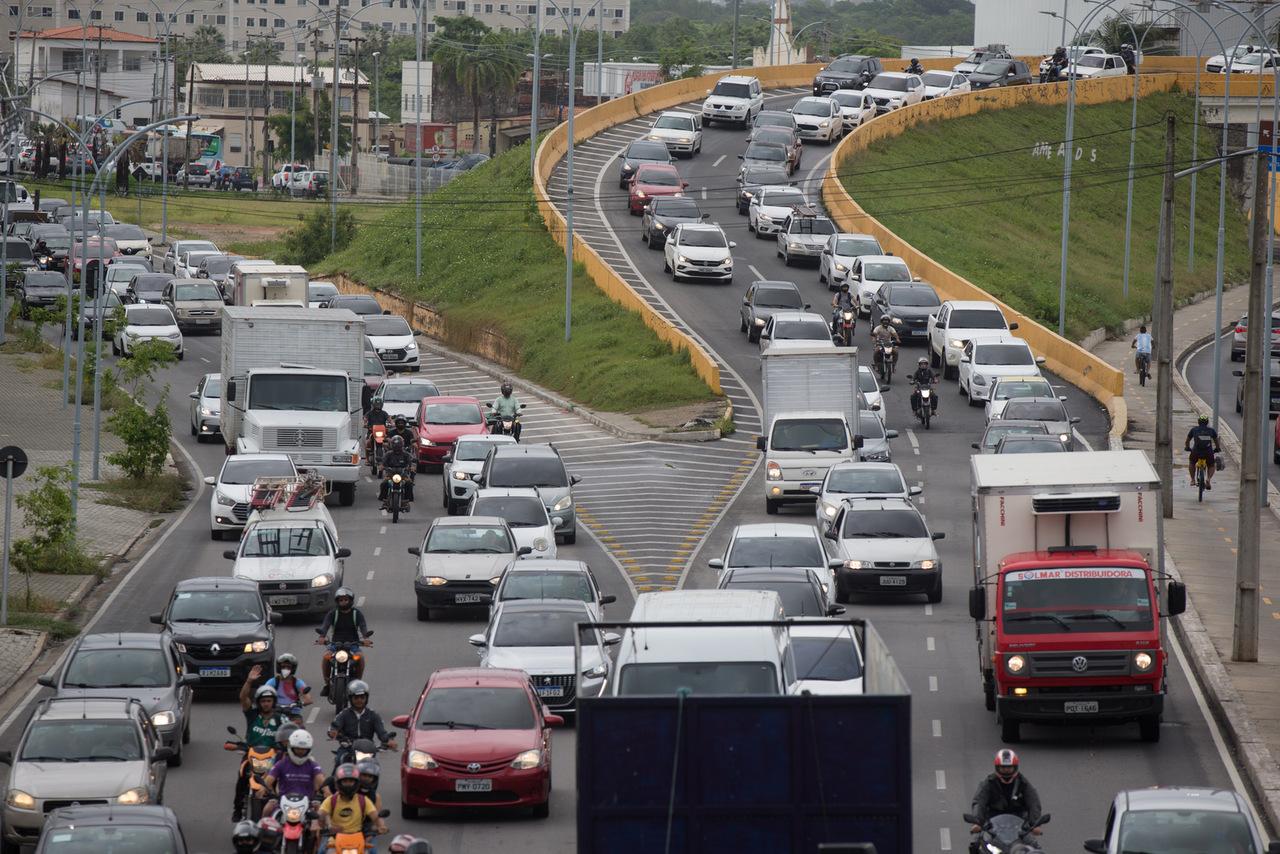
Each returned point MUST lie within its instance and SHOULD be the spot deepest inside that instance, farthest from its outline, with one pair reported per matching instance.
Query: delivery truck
(1068, 595)
(291, 384)
(254, 283)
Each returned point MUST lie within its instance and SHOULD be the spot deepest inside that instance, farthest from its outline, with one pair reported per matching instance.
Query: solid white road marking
(719, 160)
(937, 728)
(933, 684)
(941, 780)
(377, 550)
(929, 644)
(754, 271)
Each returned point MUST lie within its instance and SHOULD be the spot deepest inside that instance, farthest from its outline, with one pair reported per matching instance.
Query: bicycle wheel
(1200, 479)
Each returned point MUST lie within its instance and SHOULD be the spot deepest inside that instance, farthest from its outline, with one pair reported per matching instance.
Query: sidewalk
(1199, 542)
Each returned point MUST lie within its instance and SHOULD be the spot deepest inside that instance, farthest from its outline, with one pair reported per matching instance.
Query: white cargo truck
(254, 283)
(291, 384)
(811, 406)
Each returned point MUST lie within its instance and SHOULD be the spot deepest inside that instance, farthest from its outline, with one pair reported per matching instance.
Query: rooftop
(94, 34)
(285, 75)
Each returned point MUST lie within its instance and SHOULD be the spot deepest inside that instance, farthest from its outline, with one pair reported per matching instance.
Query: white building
(415, 103)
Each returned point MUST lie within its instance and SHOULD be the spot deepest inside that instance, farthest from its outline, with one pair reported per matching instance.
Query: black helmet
(245, 836)
(397, 443)
(376, 403)
(369, 768)
(347, 779)
(844, 286)
(507, 388)
(400, 421)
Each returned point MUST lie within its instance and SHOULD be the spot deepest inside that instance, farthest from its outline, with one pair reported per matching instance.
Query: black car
(762, 299)
(995, 73)
(149, 287)
(754, 177)
(852, 71)
(238, 178)
(798, 587)
(909, 304)
(665, 213)
(18, 251)
(638, 152)
(358, 303)
(140, 829)
(221, 628)
(112, 306)
(39, 289)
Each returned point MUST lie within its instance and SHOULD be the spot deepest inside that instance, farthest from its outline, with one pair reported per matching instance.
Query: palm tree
(489, 63)
(501, 73)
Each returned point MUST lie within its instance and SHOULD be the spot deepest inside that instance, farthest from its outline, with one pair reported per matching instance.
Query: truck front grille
(305, 437)
(1085, 664)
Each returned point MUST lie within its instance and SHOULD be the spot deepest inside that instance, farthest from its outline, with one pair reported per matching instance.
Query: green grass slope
(488, 262)
(978, 196)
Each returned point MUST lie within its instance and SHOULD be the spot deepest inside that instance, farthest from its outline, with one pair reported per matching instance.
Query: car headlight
(20, 800)
(206, 412)
(956, 343)
(1143, 661)
(182, 647)
(979, 379)
(728, 262)
(256, 646)
(853, 564)
(427, 443)
(324, 579)
(759, 321)
(928, 564)
(138, 795)
(163, 719)
(174, 336)
(435, 581)
(841, 268)
(421, 761)
(222, 498)
(563, 504)
(1064, 437)
(413, 345)
(829, 510)
(1015, 664)
(459, 475)
(773, 472)
(680, 259)
(659, 226)
(540, 544)
(597, 672)
(527, 760)
(684, 140)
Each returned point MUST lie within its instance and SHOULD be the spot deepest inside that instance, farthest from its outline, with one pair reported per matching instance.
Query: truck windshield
(702, 677)
(293, 392)
(816, 434)
(1107, 599)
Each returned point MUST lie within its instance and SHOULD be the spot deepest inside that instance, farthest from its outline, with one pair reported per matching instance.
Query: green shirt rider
(506, 406)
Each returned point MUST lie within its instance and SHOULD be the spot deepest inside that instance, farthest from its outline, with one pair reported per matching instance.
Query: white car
(892, 90)
(1216, 63)
(1014, 387)
(856, 107)
(121, 272)
(682, 132)
(818, 119)
(770, 206)
(294, 555)
(940, 84)
(838, 256)
(735, 98)
(463, 463)
(872, 391)
(859, 480)
(884, 546)
(1254, 63)
(955, 324)
(147, 322)
(538, 637)
(206, 407)
(394, 341)
(699, 252)
(280, 180)
(319, 293)
(229, 498)
(188, 263)
(774, 544)
(525, 514)
(803, 236)
(131, 240)
(1098, 65)
(828, 658)
(1073, 53)
(868, 272)
(984, 360)
(180, 247)
(795, 329)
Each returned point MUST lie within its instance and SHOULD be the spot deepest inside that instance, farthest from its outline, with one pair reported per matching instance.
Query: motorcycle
(294, 818)
(397, 501)
(503, 426)
(342, 670)
(260, 761)
(377, 446)
(1007, 834)
(926, 403)
(353, 843)
(845, 327)
(886, 358)
(355, 751)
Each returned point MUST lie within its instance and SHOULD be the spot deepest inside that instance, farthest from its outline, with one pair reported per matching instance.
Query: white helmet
(300, 742)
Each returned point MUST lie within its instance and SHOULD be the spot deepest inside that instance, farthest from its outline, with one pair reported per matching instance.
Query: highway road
(1077, 770)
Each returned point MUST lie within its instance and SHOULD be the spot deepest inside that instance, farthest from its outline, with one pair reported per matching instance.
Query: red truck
(1068, 596)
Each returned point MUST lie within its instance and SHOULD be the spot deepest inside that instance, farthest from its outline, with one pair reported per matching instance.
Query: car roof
(857, 465)
(997, 339)
(972, 303)
(403, 380)
(736, 78)
(508, 492)
(1181, 797)
(775, 283)
(866, 505)
(1022, 378)
(125, 640)
(466, 521)
(796, 314)
(702, 605)
(769, 573)
(71, 708)
(150, 815)
(701, 226)
(240, 458)
(895, 74)
(1021, 400)
(889, 259)
(541, 449)
(775, 529)
(477, 677)
(774, 188)
(537, 606)
(214, 582)
(487, 438)
(555, 565)
(451, 398)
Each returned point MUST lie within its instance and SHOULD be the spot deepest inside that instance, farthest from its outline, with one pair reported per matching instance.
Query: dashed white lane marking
(754, 271)
(940, 779)
(919, 467)
(382, 530)
(368, 576)
(719, 160)
(929, 644)
(360, 602)
(312, 715)
(203, 359)
(911, 437)
(704, 194)
(928, 610)
(377, 550)
(937, 728)
(944, 838)
(933, 684)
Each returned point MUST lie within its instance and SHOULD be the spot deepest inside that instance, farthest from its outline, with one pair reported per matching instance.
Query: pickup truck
(956, 323)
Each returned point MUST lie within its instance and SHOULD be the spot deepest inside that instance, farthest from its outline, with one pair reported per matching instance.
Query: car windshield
(732, 90)
(648, 151)
(706, 238)
(118, 667)
(774, 298)
(883, 524)
(765, 151)
(675, 122)
(857, 480)
(468, 540)
(195, 246)
(125, 232)
(810, 434)
(658, 177)
(36, 279)
(547, 585)
(60, 242)
(520, 470)
(888, 83)
(799, 598)
(848, 99)
(318, 291)
(244, 472)
(997, 67)
(1253, 59)
(212, 387)
(1057, 600)
(386, 324)
(150, 317)
(701, 678)
(774, 119)
(150, 284)
(845, 66)
(1185, 828)
(118, 837)
(774, 135)
(373, 366)
(1030, 445)
(763, 177)
(453, 413)
(832, 659)
(1003, 354)
(408, 392)
(685, 208)
(880, 271)
(1090, 61)
(1009, 390)
(476, 707)
(816, 107)
(976, 318)
(18, 249)
(775, 551)
(298, 392)
(937, 79)
(196, 292)
(537, 628)
(801, 330)
(216, 606)
(783, 198)
(997, 432)
(913, 296)
(519, 511)
(1035, 410)
(82, 740)
(358, 304)
(852, 247)
(812, 225)
(264, 541)
(870, 425)
(976, 56)
(472, 451)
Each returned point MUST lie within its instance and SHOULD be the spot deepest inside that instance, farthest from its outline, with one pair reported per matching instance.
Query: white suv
(818, 119)
(735, 98)
(894, 89)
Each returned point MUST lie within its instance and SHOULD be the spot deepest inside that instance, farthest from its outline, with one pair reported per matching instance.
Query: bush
(52, 546)
(146, 439)
(310, 241)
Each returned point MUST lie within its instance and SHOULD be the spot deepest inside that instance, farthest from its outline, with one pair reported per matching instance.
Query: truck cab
(799, 449)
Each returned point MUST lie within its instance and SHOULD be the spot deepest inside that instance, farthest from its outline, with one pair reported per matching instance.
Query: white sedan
(1013, 388)
(525, 514)
(770, 206)
(229, 498)
(940, 84)
(985, 360)
(828, 659)
(858, 480)
(698, 251)
(841, 249)
(147, 322)
(855, 107)
(818, 119)
(681, 132)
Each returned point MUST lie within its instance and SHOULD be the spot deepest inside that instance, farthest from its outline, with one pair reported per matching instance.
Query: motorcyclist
(375, 415)
(360, 721)
(397, 460)
(915, 67)
(882, 334)
(293, 693)
(344, 625)
(1202, 444)
(923, 377)
(370, 774)
(505, 406)
(1005, 792)
(347, 809)
(262, 718)
(296, 773)
(1130, 58)
(404, 431)
(1057, 63)
(842, 300)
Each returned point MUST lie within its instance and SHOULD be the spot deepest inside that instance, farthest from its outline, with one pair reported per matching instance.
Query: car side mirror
(415, 551)
(1273, 848)
(716, 563)
(553, 720)
(734, 245)
(275, 618)
(524, 550)
(1062, 397)
(194, 396)
(858, 442)
(574, 480)
(400, 722)
(704, 216)
(608, 600)
(229, 554)
(6, 757)
(611, 639)
(1099, 846)
(977, 606)
(447, 458)
(938, 536)
(761, 445)
(740, 157)
(835, 610)
(1074, 419)
(1040, 360)
(343, 552)
(975, 446)
(964, 360)
(190, 679)
(1013, 326)
(914, 490)
(830, 534)
(47, 682)
(1177, 599)
(815, 490)
(162, 753)
(889, 434)
(210, 480)
(231, 390)
(477, 641)
(835, 563)
(807, 306)
(157, 619)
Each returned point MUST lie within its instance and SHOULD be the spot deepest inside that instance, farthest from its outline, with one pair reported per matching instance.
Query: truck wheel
(935, 595)
(1010, 732)
(1149, 728)
(346, 494)
(989, 692)
(770, 506)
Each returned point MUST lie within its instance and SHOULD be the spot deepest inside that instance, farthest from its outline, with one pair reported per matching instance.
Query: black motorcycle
(886, 358)
(1007, 834)
(926, 403)
(500, 425)
(397, 497)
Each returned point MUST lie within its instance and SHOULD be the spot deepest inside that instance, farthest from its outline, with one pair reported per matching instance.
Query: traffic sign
(435, 158)
(435, 149)
(17, 456)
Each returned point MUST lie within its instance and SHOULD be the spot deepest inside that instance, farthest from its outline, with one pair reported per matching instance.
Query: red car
(653, 179)
(92, 249)
(478, 737)
(441, 420)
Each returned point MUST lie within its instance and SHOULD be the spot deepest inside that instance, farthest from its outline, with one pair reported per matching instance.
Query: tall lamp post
(293, 116)
(377, 138)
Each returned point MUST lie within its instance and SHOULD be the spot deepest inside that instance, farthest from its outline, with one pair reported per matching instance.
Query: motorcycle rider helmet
(408, 844)
(245, 837)
(346, 779)
(397, 443)
(370, 773)
(507, 388)
(282, 735)
(266, 691)
(401, 423)
(300, 742)
(1006, 763)
(344, 593)
(922, 362)
(884, 320)
(357, 688)
(287, 661)
(1203, 419)
(844, 287)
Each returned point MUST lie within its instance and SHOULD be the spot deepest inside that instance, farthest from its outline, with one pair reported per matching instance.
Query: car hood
(481, 745)
(886, 93)
(213, 404)
(240, 492)
(702, 253)
(152, 699)
(919, 312)
(462, 567)
(797, 344)
(151, 331)
(840, 76)
(140, 243)
(773, 211)
(669, 133)
(754, 161)
(228, 633)
(540, 660)
(44, 290)
(70, 780)
(896, 549)
(449, 432)
(980, 79)
(673, 221)
(658, 189)
(812, 121)
(808, 239)
(1001, 370)
(283, 568)
(391, 342)
(188, 304)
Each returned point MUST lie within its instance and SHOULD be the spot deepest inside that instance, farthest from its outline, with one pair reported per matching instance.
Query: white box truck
(255, 282)
(1067, 598)
(811, 407)
(291, 384)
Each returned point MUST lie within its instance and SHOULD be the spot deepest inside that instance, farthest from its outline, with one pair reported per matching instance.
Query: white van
(714, 660)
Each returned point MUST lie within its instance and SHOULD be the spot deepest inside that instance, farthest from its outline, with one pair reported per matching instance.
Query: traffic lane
(1199, 371)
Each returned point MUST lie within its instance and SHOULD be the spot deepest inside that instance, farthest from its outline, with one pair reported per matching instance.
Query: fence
(381, 178)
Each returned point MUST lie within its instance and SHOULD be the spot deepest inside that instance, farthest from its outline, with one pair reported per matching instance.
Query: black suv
(39, 289)
(995, 73)
(909, 304)
(852, 71)
(221, 628)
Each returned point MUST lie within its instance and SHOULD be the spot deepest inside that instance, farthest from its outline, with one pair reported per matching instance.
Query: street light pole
(376, 104)
(333, 134)
(293, 117)
(1163, 325)
(568, 243)
(417, 160)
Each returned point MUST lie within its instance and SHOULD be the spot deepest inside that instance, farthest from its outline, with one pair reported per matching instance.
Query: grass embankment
(489, 262)
(996, 218)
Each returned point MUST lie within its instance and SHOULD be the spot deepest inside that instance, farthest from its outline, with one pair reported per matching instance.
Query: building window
(73, 14)
(131, 63)
(262, 22)
(95, 15)
(210, 96)
(488, 8)
(191, 19)
(281, 99)
(344, 104)
(235, 98)
(591, 13)
(249, 22)
(13, 11)
(235, 142)
(46, 11)
(117, 16)
(431, 28)
(222, 20)
(279, 24)
(302, 24)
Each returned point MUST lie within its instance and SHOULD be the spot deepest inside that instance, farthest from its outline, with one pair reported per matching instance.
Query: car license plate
(549, 690)
(215, 672)
(467, 598)
(473, 785)
(809, 485)
(282, 600)
(1080, 707)
(893, 581)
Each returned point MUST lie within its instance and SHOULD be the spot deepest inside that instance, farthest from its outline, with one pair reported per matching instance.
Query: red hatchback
(653, 179)
(478, 737)
(441, 420)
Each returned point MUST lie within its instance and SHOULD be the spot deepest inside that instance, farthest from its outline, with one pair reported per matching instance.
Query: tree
(308, 147)
(263, 51)
(205, 44)
(473, 58)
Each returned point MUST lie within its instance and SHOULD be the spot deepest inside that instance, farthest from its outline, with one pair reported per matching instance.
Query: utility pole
(355, 113)
(734, 61)
(333, 137)
(1163, 323)
(1244, 640)
(266, 116)
(247, 140)
(97, 75)
(315, 97)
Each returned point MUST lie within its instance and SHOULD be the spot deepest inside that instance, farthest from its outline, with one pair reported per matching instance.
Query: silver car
(803, 237)
(875, 438)
(552, 579)
(463, 465)
(1180, 818)
(460, 560)
(206, 407)
(774, 545)
(1049, 411)
(859, 480)
(536, 467)
(100, 751)
(401, 396)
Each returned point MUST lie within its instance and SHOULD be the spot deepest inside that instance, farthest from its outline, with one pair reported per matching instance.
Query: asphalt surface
(1077, 770)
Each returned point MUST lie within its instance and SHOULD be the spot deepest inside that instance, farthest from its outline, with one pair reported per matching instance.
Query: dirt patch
(677, 417)
(221, 234)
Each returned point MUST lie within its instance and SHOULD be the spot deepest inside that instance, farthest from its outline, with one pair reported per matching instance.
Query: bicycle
(1202, 476)
(1144, 367)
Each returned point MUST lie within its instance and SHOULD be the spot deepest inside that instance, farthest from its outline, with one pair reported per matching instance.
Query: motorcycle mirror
(232, 730)
(1044, 819)
(523, 405)
(971, 819)
(369, 633)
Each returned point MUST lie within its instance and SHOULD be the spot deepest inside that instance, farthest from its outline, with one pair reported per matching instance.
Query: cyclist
(1202, 443)
(1142, 343)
